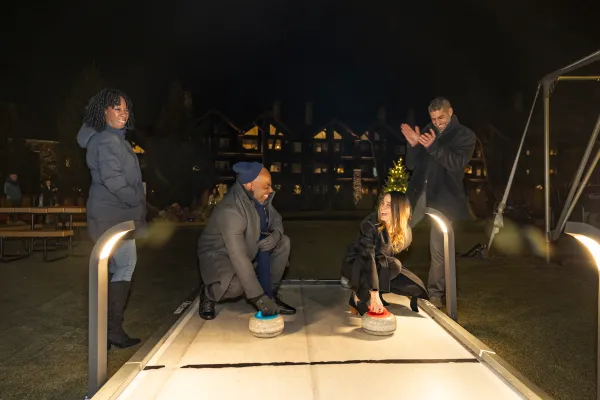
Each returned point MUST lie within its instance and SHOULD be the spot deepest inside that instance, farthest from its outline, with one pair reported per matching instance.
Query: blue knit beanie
(247, 171)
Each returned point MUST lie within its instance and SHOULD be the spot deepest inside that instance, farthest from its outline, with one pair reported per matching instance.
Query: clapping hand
(411, 135)
(427, 138)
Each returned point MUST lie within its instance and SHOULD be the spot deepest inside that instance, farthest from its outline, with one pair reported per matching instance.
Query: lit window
(278, 145)
(527, 171)
(252, 131)
(336, 136)
(275, 167)
(297, 189)
(337, 188)
(364, 190)
(552, 171)
(296, 168)
(553, 152)
(478, 172)
(250, 144)
(340, 169)
(539, 187)
(320, 169)
(277, 187)
(469, 169)
(297, 147)
(527, 153)
(320, 147)
(321, 135)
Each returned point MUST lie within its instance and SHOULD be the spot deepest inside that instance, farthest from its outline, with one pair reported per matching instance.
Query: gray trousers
(436, 283)
(279, 261)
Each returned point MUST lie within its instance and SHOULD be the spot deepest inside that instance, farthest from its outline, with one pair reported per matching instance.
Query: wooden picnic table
(43, 211)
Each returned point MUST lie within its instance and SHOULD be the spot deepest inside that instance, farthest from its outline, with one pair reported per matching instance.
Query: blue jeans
(123, 260)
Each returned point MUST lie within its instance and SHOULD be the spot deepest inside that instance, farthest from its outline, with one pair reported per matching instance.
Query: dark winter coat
(233, 230)
(370, 262)
(12, 190)
(442, 165)
(116, 192)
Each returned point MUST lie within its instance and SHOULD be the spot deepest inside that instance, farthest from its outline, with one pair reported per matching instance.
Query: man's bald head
(261, 186)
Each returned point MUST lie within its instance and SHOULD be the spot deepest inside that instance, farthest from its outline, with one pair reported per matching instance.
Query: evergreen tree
(397, 178)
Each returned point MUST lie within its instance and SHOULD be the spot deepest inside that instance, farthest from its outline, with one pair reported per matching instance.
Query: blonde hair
(398, 230)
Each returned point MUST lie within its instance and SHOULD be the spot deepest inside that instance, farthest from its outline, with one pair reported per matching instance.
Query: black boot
(359, 307)
(206, 308)
(284, 309)
(117, 297)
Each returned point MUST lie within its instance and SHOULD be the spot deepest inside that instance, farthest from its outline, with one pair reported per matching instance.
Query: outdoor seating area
(53, 236)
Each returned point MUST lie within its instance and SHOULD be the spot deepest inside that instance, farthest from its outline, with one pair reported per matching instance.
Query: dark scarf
(263, 258)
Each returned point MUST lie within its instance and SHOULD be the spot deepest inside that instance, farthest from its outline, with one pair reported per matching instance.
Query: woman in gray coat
(116, 195)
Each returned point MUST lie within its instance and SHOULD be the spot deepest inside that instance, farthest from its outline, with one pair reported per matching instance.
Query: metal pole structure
(449, 260)
(498, 220)
(572, 67)
(578, 78)
(575, 183)
(589, 236)
(98, 304)
(580, 189)
(546, 85)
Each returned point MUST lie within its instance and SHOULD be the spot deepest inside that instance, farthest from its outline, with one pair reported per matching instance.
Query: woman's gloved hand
(269, 243)
(265, 305)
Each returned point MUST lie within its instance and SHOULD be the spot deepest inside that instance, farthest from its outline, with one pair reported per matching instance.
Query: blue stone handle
(259, 315)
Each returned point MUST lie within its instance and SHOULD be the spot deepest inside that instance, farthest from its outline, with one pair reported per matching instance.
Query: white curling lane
(323, 353)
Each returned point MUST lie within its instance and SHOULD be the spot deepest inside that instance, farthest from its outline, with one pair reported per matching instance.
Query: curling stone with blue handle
(266, 327)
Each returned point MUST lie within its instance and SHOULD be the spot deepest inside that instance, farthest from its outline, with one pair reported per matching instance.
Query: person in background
(243, 250)
(12, 191)
(371, 262)
(116, 195)
(437, 158)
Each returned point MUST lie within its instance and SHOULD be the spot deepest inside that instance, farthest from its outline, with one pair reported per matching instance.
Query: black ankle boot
(357, 307)
(284, 309)
(206, 309)
(117, 297)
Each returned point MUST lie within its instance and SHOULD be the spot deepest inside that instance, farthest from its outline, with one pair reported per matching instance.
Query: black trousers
(436, 283)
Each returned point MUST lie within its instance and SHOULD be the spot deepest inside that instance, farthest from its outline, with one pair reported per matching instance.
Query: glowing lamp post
(590, 238)
(98, 304)
(449, 260)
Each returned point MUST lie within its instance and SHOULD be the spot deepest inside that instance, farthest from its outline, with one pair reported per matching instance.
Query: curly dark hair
(94, 112)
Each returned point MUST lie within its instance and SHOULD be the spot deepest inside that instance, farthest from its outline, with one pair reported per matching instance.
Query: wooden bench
(41, 234)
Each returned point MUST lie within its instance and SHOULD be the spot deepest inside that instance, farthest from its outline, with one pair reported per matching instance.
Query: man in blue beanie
(242, 250)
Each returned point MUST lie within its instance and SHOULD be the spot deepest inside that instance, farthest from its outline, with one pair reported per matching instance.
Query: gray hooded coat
(116, 192)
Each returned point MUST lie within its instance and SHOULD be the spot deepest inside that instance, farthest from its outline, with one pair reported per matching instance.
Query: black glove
(269, 243)
(266, 305)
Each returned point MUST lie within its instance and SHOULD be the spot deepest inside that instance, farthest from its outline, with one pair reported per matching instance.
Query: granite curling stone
(383, 324)
(266, 327)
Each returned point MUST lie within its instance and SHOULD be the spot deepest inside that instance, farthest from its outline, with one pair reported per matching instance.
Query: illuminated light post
(98, 304)
(589, 236)
(449, 260)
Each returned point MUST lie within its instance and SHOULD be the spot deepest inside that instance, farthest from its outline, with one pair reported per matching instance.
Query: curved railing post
(589, 236)
(98, 304)
(449, 260)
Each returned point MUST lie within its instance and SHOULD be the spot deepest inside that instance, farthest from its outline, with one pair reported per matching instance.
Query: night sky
(348, 57)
